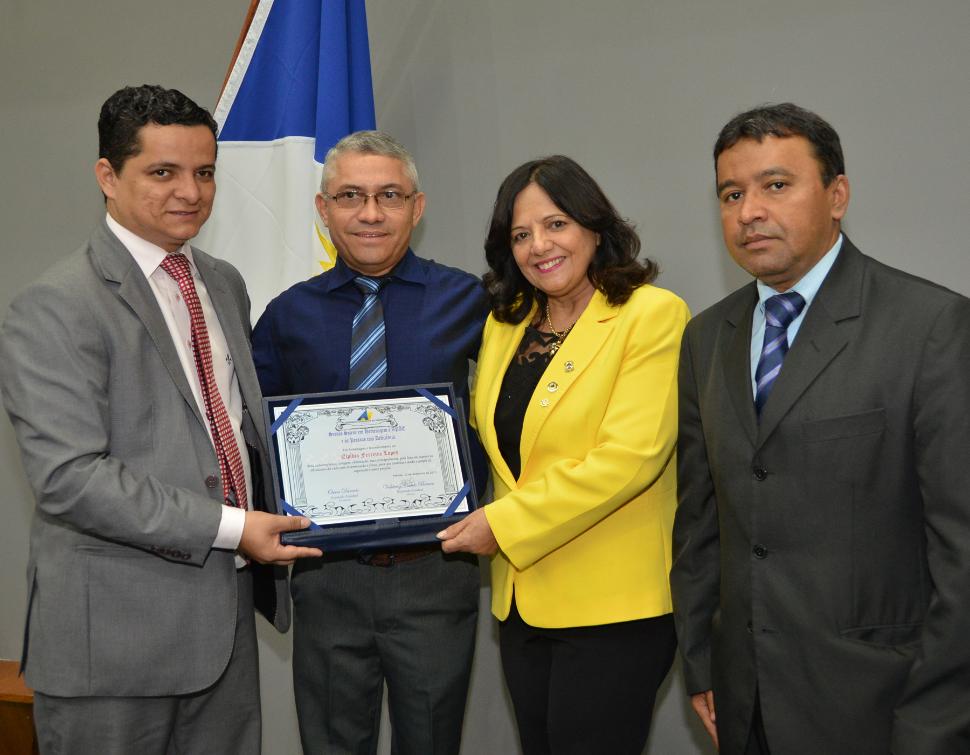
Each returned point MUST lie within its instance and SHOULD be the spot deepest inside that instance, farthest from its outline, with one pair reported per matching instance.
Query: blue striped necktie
(368, 357)
(780, 312)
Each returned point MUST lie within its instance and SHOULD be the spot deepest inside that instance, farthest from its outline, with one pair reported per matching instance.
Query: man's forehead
(772, 154)
(360, 169)
(166, 132)
(177, 144)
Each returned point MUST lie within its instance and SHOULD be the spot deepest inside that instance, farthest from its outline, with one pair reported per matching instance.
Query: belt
(385, 559)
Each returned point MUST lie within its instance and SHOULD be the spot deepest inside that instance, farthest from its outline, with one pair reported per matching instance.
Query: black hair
(614, 270)
(129, 109)
(786, 119)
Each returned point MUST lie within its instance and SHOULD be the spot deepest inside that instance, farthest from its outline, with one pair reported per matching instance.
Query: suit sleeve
(55, 362)
(933, 715)
(633, 446)
(695, 575)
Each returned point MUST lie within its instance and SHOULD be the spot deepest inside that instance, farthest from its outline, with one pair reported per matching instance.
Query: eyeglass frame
(373, 195)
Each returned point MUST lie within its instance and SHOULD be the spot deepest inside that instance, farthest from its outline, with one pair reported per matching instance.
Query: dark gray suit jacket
(822, 557)
(125, 595)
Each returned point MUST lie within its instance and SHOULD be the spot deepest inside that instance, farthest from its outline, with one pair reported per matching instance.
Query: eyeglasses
(388, 199)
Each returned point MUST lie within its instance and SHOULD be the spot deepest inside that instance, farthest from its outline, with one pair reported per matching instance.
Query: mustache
(755, 235)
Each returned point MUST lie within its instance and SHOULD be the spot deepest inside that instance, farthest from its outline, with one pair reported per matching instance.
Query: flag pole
(239, 42)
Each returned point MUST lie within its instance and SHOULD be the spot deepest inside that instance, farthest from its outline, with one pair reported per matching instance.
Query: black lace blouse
(521, 378)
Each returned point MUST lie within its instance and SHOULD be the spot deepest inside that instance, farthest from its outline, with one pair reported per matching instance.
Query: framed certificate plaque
(371, 469)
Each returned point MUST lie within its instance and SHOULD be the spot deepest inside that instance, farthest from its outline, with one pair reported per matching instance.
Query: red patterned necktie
(177, 265)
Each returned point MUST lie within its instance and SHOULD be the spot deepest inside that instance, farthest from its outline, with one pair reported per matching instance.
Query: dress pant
(356, 626)
(223, 719)
(583, 690)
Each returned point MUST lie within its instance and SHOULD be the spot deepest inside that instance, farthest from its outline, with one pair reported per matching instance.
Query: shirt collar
(811, 282)
(147, 255)
(408, 269)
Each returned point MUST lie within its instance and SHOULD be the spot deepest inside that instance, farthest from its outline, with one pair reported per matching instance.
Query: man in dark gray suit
(127, 374)
(821, 572)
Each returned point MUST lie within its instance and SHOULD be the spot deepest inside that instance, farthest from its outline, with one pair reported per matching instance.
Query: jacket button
(544, 402)
(760, 473)
(569, 366)
(211, 481)
(552, 387)
(750, 628)
(760, 551)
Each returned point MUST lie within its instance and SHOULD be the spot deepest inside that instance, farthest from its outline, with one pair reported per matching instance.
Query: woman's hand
(473, 534)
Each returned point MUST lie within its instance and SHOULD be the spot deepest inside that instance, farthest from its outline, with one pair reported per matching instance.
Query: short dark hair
(129, 109)
(614, 270)
(786, 119)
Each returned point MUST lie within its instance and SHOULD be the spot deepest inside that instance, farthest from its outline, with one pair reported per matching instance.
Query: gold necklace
(559, 336)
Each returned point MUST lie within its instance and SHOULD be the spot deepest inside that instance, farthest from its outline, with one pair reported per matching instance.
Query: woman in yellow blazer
(576, 406)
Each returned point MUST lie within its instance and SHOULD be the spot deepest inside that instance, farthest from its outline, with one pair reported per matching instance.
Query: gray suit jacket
(822, 556)
(125, 595)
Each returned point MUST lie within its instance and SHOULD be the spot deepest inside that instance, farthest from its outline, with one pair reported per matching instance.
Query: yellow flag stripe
(329, 250)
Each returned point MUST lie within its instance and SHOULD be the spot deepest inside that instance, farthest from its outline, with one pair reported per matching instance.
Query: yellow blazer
(584, 533)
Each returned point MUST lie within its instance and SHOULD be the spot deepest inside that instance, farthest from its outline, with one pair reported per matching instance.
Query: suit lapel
(737, 360)
(495, 366)
(235, 331)
(819, 339)
(118, 266)
(588, 335)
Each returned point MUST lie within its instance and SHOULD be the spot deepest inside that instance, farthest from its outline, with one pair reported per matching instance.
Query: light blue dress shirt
(807, 286)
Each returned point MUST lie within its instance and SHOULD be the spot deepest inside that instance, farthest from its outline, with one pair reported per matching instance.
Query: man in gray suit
(821, 572)
(127, 374)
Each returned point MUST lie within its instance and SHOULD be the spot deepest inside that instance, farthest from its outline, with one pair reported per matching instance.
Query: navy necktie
(368, 356)
(780, 311)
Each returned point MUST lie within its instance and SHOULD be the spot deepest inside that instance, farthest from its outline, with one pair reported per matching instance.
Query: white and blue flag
(300, 82)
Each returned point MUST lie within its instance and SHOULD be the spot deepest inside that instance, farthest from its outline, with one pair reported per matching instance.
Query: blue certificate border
(378, 534)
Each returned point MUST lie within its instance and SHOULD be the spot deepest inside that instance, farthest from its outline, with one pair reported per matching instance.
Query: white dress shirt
(149, 257)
